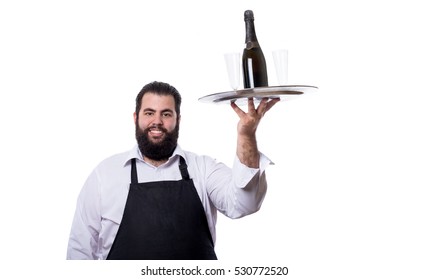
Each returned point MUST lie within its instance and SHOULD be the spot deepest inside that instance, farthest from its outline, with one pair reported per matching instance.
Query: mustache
(157, 127)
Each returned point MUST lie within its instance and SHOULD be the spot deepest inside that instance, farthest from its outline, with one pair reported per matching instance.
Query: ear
(178, 119)
(135, 118)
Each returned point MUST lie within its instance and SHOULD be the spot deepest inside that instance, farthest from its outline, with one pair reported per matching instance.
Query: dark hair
(159, 88)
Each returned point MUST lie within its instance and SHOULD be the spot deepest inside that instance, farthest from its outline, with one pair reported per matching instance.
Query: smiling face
(157, 126)
(157, 114)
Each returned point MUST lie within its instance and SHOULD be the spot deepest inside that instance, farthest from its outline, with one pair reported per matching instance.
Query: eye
(167, 114)
(148, 113)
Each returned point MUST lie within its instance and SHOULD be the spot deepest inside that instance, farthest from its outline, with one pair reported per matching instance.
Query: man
(160, 202)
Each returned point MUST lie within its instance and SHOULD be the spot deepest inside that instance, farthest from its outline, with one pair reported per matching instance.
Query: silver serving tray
(282, 92)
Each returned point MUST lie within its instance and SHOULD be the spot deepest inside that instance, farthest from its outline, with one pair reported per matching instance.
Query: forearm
(247, 150)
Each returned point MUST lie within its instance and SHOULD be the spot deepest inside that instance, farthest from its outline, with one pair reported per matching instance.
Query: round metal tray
(282, 92)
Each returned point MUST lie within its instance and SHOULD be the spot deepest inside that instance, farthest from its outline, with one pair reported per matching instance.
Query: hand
(248, 122)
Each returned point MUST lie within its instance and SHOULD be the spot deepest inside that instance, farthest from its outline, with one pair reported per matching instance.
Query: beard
(156, 151)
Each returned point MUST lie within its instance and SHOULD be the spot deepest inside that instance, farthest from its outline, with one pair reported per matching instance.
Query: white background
(347, 196)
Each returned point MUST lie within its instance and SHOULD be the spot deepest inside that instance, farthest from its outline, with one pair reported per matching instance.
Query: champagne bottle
(253, 60)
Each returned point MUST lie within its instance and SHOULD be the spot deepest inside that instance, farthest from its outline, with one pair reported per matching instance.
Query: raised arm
(246, 148)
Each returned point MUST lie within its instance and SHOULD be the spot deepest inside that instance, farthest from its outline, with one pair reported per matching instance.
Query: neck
(153, 162)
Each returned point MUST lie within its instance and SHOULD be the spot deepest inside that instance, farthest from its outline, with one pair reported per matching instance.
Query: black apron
(163, 220)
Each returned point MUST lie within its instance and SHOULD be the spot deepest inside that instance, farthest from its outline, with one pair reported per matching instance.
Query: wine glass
(233, 64)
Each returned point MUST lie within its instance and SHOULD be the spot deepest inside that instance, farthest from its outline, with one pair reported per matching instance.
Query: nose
(157, 119)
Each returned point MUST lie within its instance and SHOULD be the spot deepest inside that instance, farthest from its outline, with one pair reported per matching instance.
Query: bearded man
(159, 202)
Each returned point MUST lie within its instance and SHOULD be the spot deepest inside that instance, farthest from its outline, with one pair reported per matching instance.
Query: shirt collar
(136, 153)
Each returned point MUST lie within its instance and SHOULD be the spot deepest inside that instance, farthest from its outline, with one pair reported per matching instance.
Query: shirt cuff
(243, 174)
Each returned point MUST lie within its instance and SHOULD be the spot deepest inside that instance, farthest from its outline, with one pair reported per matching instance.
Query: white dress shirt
(235, 192)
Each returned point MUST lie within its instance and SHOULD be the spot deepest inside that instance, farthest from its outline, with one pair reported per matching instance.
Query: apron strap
(134, 176)
(183, 169)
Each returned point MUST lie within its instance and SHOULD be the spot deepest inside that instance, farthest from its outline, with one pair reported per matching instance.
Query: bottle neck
(250, 35)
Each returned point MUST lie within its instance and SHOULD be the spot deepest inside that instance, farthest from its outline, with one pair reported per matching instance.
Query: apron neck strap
(183, 169)
(134, 176)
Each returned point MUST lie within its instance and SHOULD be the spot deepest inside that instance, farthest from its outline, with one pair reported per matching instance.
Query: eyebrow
(162, 111)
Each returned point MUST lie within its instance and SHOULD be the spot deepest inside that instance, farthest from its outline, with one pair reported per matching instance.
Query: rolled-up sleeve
(240, 190)
(250, 187)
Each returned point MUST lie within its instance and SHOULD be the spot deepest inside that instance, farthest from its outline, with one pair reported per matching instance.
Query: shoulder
(194, 158)
(201, 163)
(113, 164)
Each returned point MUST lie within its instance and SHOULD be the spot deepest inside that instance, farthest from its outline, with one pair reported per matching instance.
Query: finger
(261, 109)
(272, 102)
(236, 108)
(251, 107)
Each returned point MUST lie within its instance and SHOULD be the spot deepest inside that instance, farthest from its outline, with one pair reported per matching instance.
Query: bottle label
(250, 45)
